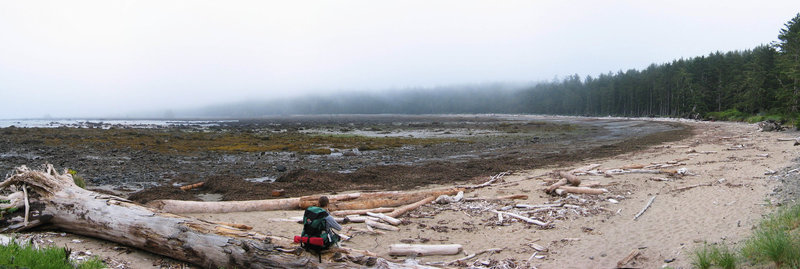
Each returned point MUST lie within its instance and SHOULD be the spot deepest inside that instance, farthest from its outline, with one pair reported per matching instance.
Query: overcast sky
(101, 58)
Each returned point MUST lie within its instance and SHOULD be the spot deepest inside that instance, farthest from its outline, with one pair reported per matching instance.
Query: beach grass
(701, 257)
(776, 239)
(18, 255)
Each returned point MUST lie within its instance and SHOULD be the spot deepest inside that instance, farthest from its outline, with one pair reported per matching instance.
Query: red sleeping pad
(309, 240)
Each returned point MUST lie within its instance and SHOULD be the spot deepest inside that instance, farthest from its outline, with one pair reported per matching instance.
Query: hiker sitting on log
(317, 223)
(323, 204)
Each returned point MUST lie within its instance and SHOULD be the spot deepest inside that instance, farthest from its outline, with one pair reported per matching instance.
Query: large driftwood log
(56, 200)
(361, 211)
(423, 250)
(313, 200)
(182, 207)
(352, 201)
(382, 199)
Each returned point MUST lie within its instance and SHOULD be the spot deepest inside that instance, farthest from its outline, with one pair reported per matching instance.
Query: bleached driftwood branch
(645, 207)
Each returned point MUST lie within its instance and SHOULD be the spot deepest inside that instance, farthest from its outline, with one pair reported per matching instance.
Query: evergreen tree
(789, 62)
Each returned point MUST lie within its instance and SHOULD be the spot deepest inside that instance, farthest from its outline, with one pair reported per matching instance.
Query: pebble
(280, 168)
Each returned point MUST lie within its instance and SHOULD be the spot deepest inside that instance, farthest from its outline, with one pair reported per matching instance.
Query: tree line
(761, 81)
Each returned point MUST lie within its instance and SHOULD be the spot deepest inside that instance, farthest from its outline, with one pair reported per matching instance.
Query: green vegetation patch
(709, 256)
(775, 242)
(77, 178)
(179, 141)
(15, 255)
(701, 258)
(727, 115)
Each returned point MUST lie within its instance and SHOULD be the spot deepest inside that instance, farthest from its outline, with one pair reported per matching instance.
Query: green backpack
(315, 226)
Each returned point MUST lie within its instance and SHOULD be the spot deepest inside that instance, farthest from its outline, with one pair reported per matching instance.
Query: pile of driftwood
(562, 209)
(379, 211)
(51, 198)
(564, 182)
(559, 186)
(665, 168)
(770, 126)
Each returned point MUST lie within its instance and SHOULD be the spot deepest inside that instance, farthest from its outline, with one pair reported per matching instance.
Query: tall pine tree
(789, 63)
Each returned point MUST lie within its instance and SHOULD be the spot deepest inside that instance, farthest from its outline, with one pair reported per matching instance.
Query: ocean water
(105, 124)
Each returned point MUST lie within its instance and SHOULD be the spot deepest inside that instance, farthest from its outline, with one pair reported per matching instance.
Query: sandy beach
(732, 169)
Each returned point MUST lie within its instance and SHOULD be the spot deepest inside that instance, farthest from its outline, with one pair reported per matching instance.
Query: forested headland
(753, 84)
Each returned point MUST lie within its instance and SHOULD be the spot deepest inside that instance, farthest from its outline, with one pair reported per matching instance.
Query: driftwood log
(470, 256)
(629, 258)
(403, 209)
(582, 190)
(192, 186)
(356, 219)
(571, 179)
(387, 219)
(380, 199)
(57, 201)
(691, 187)
(526, 219)
(378, 225)
(424, 250)
(498, 198)
(236, 225)
(555, 186)
(183, 207)
(361, 211)
(352, 201)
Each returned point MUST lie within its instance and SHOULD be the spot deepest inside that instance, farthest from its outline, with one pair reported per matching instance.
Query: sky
(110, 58)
